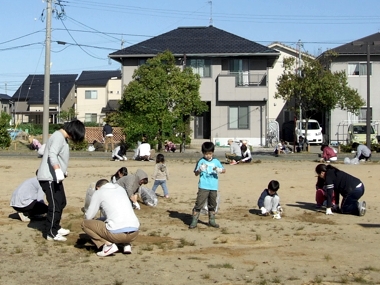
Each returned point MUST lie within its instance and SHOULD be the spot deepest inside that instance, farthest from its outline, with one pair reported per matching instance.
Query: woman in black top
(342, 183)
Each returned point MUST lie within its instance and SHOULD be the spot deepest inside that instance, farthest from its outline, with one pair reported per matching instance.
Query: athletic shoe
(58, 237)
(280, 210)
(233, 163)
(362, 208)
(166, 196)
(23, 217)
(63, 232)
(107, 250)
(127, 249)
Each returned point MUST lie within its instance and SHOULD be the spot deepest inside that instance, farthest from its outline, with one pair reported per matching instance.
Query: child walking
(269, 201)
(208, 168)
(160, 175)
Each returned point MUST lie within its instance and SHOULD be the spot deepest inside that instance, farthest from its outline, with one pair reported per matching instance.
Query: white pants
(271, 203)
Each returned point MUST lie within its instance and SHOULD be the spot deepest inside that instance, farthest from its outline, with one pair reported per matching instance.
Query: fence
(96, 133)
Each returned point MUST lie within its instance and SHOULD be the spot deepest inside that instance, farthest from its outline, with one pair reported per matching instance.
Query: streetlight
(368, 116)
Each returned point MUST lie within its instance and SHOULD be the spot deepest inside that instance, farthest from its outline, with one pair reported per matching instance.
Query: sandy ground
(304, 247)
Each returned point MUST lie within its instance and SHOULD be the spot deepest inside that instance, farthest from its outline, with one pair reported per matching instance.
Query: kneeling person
(121, 224)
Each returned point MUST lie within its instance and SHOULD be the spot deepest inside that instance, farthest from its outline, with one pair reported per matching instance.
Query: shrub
(78, 146)
(5, 138)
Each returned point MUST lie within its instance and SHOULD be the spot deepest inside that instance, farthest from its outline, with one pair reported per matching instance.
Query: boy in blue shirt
(208, 169)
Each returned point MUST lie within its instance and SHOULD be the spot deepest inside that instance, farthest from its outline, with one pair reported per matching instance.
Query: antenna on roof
(210, 2)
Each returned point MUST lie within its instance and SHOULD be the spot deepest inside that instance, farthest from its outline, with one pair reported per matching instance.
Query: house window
(90, 117)
(358, 69)
(91, 94)
(238, 118)
(363, 114)
(200, 66)
(141, 61)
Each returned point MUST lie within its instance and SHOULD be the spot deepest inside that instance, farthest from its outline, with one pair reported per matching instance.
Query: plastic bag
(347, 160)
(148, 196)
(91, 148)
(89, 193)
(354, 161)
(204, 209)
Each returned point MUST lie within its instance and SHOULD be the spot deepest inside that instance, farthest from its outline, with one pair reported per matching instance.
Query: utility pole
(45, 116)
(210, 2)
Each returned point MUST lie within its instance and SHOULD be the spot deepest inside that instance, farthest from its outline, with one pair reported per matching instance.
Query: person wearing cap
(235, 152)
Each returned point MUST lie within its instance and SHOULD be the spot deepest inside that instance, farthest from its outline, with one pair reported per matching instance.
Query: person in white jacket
(120, 225)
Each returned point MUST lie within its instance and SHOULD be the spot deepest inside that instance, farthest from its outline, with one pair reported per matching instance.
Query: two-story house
(234, 78)
(95, 90)
(280, 113)
(352, 58)
(28, 100)
(5, 103)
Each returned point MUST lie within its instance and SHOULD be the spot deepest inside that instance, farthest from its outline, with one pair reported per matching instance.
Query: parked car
(357, 132)
(314, 131)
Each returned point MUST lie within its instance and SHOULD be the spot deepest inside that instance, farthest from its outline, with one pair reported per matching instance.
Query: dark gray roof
(5, 97)
(97, 78)
(112, 105)
(352, 48)
(195, 41)
(32, 89)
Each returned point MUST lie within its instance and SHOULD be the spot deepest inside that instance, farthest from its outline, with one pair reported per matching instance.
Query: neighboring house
(94, 91)
(278, 110)
(352, 58)
(5, 103)
(234, 78)
(29, 98)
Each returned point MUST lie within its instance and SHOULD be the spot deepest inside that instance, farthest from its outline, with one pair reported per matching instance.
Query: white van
(314, 131)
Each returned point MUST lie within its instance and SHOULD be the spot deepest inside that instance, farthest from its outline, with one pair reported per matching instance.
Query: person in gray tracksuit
(51, 173)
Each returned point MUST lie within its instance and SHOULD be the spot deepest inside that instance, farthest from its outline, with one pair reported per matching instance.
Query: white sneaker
(276, 216)
(362, 208)
(23, 217)
(107, 250)
(63, 232)
(58, 237)
(280, 210)
(127, 249)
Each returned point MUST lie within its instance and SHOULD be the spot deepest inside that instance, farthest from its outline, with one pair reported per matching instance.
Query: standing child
(269, 201)
(160, 175)
(208, 169)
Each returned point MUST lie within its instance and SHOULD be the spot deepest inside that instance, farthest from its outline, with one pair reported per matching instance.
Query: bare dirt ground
(304, 247)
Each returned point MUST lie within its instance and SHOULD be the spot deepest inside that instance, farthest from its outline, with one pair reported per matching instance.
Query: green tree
(5, 139)
(68, 115)
(316, 89)
(160, 100)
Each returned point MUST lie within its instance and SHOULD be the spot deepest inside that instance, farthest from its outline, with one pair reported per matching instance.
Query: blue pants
(350, 202)
(163, 185)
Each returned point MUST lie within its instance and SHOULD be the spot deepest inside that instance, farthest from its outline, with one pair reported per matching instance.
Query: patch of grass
(275, 270)
(225, 231)
(371, 268)
(224, 265)
(327, 257)
(344, 279)
(258, 237)
(118, 282)
(183, 242)
(276, 280)
(317, 279)
(154, 234)
(205, 276)
(292, 278)
(300, 228)
(147, 247)
(360, 279)
(18, 250)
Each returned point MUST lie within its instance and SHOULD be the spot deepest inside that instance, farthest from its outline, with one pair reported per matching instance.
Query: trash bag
(90, 191)
(347, 160)
(148, 196)
(204, 209)
(91, 148)
(354, 161)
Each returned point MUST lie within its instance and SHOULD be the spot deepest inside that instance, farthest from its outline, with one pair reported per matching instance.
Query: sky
(92, 29)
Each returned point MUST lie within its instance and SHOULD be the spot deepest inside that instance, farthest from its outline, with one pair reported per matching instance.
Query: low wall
(96, 133)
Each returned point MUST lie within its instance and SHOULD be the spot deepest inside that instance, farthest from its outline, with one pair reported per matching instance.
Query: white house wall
(341, 118)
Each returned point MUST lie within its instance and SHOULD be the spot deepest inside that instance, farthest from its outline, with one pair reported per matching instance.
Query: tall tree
(160, 100)
(316, 89)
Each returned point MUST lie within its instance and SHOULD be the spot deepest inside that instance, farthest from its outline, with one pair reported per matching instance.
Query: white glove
(66, 174)
(329, 212)
(203, 167)
(125, 158)
(263, 211)
(59, 174)
(137, 205)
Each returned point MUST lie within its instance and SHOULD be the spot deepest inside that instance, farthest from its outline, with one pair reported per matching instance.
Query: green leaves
(159, 100)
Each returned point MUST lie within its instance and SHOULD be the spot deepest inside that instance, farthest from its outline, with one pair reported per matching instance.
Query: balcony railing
(248, 78)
